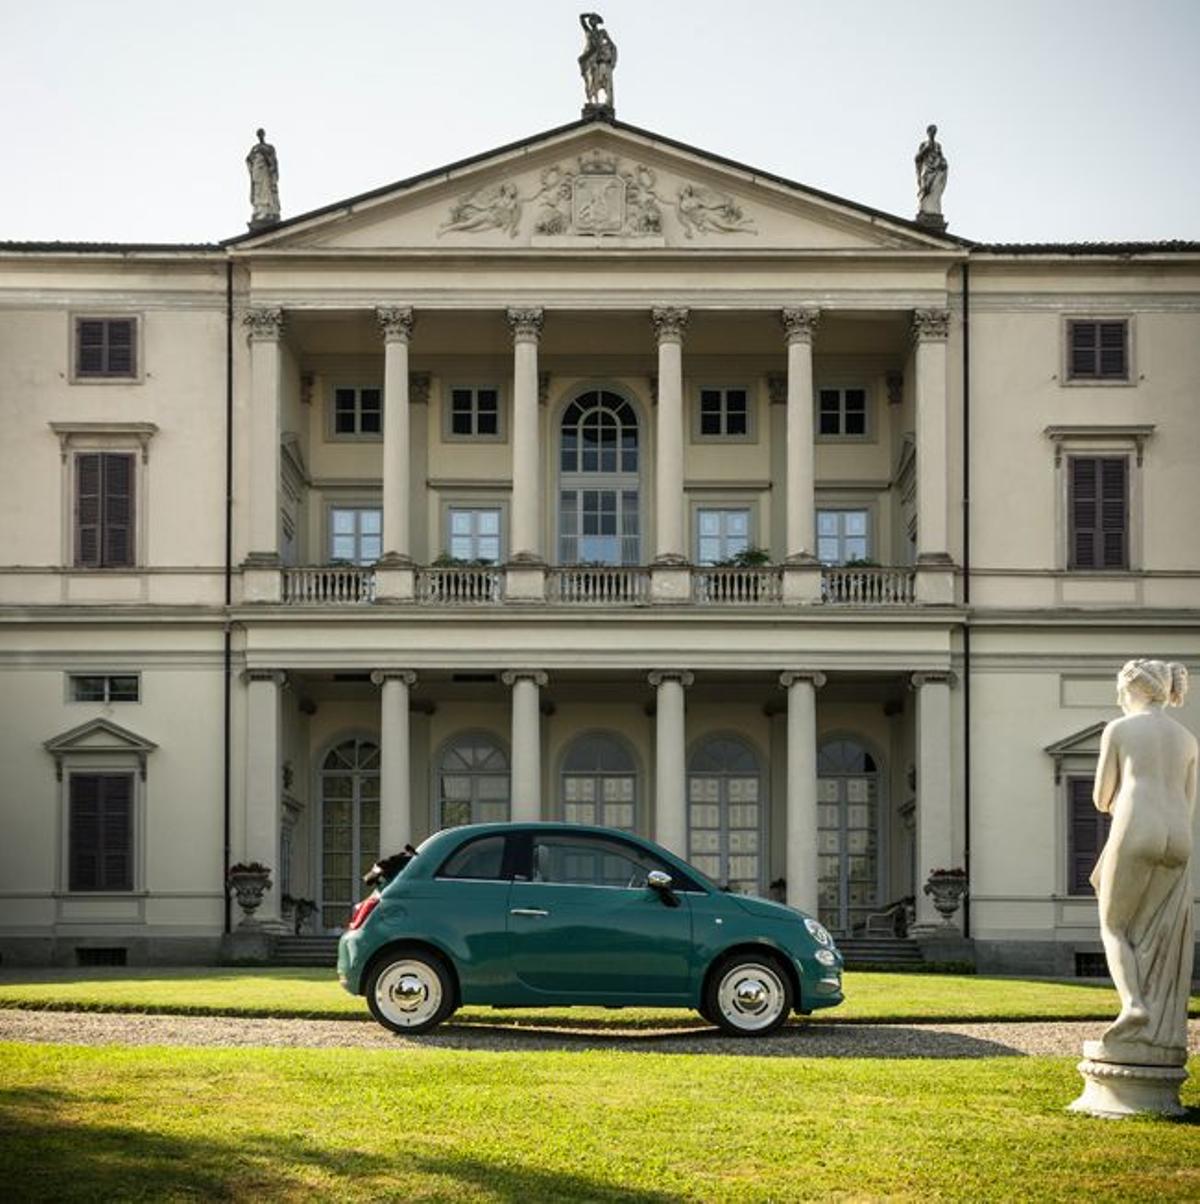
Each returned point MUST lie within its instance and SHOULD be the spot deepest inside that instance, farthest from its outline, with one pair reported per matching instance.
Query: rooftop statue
(932, 170)
(1146, 781)
(596, 64)
(264, 183)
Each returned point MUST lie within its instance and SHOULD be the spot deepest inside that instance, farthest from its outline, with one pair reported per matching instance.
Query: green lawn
(315, 993)
(134, 1124)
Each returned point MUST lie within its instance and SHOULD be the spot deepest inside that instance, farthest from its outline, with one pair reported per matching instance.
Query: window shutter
(117, 831)
(1112, 359)
(84, 833)
(1099, 350)
(89, 347)
(1113, 512)
(87, 510)
(1088, 830)
(117, 550)
(1084, 512)
(1083, 349)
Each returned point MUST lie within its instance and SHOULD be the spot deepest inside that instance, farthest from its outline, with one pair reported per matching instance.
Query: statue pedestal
(1116, 1089)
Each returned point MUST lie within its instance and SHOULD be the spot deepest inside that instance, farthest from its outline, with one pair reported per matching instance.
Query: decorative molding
(669, 321)
(492, 207)
(799, 324)
(1122, 432)
(791, 677)
(895, 387)
(418, 388)
(703, 210)
(526, 324)
(278, 676)
(685, 677)
(930, 325)
(395, 323)
(407, 676)
(777, 388)
(933, 677)
(1084, 744)
(81, 740)
(510, 677)
(69, 432)
(264, 323)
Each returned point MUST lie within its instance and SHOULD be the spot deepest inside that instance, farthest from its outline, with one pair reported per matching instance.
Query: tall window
(847, 835)
(473, 785)
(725, 814)
(357, 411)
(475, 533)
(721, 533)
(842, 412)
(842, 536)
(355, 534)
(1087, 830)
(1099, 512)
(105, 348)
(598, 484)
(101, 832)
(104, 530)
(599, 783)
(349, 826)
(1098, 350)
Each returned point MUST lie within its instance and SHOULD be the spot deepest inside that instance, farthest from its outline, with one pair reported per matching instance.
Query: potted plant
(947, 888)
(249, 881)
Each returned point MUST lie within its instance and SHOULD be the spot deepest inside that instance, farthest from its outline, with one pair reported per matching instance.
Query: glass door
(349, 827)
(847, 836)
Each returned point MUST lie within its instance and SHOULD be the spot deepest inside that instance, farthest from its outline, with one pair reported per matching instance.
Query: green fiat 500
(541, 914)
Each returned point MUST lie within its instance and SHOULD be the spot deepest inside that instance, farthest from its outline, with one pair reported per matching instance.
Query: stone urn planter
(249, 882)
(946, 888)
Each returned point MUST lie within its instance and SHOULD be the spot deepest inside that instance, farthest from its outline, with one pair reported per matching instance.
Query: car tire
(411, 991)
(748, 995)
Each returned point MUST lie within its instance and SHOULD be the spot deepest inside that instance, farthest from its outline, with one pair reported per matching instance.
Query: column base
(395, 580)
(246, 946)
(525, 580)
(801, 581)
(1115, 1089)
(670, 580)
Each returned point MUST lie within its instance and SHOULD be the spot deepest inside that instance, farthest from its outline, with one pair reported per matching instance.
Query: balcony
(759, 585)
(460, 585)
(868, 586)
(599, 585)
(329, 585)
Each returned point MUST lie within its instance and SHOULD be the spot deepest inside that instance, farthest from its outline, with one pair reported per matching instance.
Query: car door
(587, 928)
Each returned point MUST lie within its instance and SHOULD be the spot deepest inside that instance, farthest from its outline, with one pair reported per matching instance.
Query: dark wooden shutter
(117, 551)
(1112, 362)
(106, 347)
(89, 347)
(87, 510)
(1099, 350)
(121, 347)
(1087, 832)
(1099, 507)
(1083, 349)
(101, 831)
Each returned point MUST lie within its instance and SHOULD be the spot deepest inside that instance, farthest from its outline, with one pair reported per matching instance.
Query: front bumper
(351, 960)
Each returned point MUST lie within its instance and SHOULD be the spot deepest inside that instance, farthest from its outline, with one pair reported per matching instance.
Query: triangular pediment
(594, 186)
(99, 736)
(1083, 743)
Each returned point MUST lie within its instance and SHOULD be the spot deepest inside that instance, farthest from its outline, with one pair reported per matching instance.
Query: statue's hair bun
(1156, 680)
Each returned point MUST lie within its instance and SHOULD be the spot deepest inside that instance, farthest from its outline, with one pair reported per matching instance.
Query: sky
(1062, 120)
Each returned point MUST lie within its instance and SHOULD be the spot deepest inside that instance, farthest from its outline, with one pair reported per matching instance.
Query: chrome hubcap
(408, 992)
(751, 996)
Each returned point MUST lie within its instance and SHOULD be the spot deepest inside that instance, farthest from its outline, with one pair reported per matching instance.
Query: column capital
(526, 324)
(792, 677)
(276, 676)
(510, 677)
(395, 323)
(264, 324)
(685, 677)
(407, 676)
(669, 321)
(933, 677)
(930, 325)
(799, 323)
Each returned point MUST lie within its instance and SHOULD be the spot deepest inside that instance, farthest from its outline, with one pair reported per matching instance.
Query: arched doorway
(598, 783)
(473, 782)
(726, 813)
(349, 793)
(599, 512)
(849, 866)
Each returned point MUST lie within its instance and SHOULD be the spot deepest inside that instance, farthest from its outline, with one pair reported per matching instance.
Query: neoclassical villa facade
(595, 478)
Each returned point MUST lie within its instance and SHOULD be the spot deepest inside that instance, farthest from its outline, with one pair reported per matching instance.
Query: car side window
(478, 859)
(584, 860)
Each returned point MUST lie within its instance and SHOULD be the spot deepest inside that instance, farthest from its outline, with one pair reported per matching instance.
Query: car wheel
(749, 995)
(410, 992)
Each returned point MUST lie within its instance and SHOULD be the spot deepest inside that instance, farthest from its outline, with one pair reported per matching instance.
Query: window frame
(1098, 501)
(76, 377)
(681, 882)
(724, 388)
(697, 505)
(446, 535)
(107, 675)
(1067, 377)
(103, 887)
(449, 435)
(456, 740)
(841, 386)
(332, 434)
(332, 504)
(841, 506)
(1103, 824)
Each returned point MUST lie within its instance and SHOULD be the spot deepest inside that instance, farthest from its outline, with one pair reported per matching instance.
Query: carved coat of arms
(598, 204)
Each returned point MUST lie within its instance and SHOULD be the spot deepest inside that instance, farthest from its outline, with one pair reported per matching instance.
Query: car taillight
(358, 916)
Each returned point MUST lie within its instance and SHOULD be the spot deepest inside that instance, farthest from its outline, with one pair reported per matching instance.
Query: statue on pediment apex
(263, 165)
(932, 171)
(596, 64)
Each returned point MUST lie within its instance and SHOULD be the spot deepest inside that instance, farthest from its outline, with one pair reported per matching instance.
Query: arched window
(473, 782)
(847, 834)
(598, 511)
(726, 812)
(349, 789)
(599, 783)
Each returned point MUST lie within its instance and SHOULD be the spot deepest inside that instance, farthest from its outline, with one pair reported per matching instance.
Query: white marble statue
(1146, 780)
(932, 170)
(263, 166)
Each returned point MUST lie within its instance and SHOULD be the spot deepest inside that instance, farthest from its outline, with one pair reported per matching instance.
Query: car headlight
(826, 957)
(818, 932)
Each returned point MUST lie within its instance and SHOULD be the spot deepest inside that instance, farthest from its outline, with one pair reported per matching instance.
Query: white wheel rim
(408, 993)
(751, 996)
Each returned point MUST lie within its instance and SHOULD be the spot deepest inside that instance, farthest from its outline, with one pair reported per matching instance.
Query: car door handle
(528, 911)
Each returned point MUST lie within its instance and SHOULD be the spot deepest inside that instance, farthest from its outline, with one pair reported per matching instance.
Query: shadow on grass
(45, 1154)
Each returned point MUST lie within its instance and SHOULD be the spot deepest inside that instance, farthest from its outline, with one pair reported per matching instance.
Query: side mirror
(660, 881)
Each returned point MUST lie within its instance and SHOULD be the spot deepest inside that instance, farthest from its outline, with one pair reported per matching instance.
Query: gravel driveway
(821, 1040)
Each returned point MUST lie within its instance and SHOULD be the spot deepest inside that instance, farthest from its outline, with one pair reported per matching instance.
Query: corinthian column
(802, 578)
(265, 327)
(802, 865)
(395, 794)
(670, 544)
(670, 770)
(396, 326)
(935, 581)
(526, 497)
(264, 783)
(526, 790)
(935, 788)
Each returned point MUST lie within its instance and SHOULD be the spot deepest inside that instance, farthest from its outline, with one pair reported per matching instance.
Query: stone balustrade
(328, 585)
(460, 585)
(736, 586)
(865, 585)
(598, 585)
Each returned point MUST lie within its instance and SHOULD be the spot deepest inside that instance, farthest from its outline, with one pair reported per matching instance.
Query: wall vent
(1091, 965)
(101, 956)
